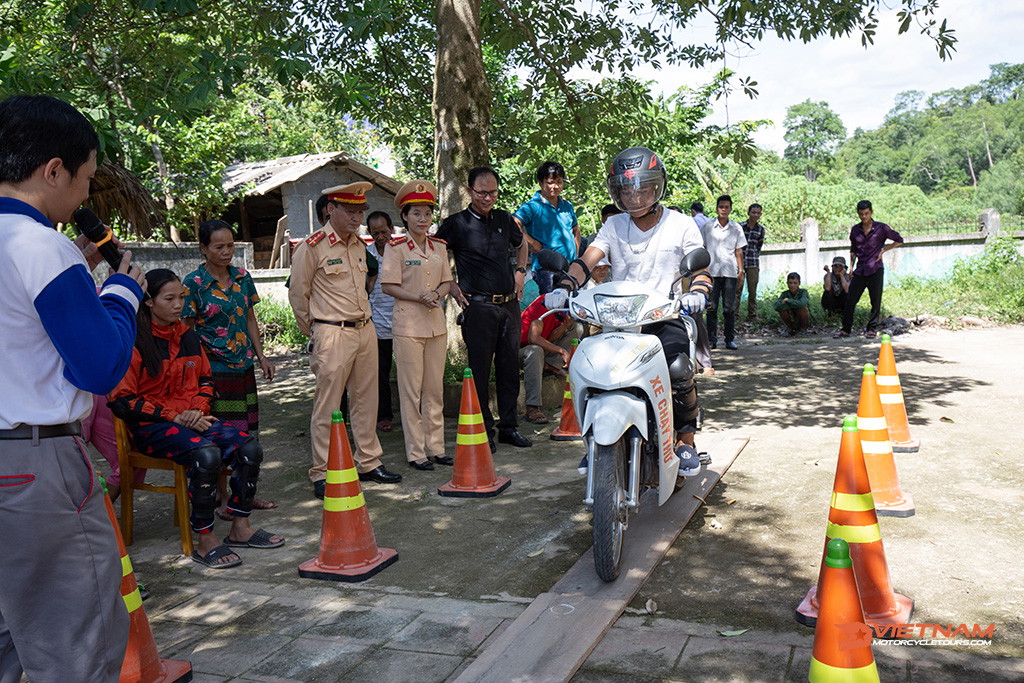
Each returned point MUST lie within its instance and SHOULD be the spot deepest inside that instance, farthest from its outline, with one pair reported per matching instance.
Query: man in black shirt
(482, 240)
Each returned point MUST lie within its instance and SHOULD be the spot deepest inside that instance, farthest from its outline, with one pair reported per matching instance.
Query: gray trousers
(533, 358)
(62, 617)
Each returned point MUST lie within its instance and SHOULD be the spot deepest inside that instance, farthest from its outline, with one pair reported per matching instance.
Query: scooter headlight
(660, 313)
(619, 311)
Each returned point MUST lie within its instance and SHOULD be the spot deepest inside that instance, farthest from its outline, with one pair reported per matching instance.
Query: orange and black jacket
(183, 383)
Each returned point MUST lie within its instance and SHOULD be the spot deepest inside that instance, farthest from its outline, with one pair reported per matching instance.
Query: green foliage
(813, 132)
(277, 325)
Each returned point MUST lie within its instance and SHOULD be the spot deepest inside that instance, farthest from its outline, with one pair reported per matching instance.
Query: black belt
(492, 298)
(42, 431)
(344, 323)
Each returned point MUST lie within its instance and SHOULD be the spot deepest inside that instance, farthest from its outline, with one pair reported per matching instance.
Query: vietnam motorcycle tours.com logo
(856, 634)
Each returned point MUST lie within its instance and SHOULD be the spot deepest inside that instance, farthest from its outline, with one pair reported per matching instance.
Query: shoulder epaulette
(398, 240)
(315, 238)
(437, 239)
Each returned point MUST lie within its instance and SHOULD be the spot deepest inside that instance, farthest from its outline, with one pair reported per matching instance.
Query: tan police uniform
(329, 299)
(420, 333)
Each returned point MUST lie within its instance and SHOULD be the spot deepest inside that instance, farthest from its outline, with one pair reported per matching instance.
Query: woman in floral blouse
(219, 303)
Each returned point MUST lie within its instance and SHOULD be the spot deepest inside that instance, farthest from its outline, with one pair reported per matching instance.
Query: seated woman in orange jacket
(165, 401)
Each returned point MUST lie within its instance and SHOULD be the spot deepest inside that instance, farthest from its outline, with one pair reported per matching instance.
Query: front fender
(609, 414)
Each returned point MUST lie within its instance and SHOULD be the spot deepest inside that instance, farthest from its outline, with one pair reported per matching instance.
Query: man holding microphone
(61, 613)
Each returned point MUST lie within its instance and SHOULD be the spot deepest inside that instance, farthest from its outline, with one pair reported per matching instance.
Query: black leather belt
(492, 298)
(42, 431)
(344, 323)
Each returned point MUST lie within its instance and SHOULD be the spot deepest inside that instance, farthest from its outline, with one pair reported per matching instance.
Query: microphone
(89, 224)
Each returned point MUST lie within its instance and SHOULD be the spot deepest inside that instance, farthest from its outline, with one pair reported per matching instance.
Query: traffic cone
(851, 517)
(473, 475)
(890, 501)
(348, 549)
(568, 427)
(891, 394)
(842, 641)
(142, 663)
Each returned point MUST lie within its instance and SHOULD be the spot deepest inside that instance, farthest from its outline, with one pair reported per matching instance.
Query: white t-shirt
(651, 257)
(722, 243)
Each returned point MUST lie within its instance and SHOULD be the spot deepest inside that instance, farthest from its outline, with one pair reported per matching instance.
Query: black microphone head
(89, 224)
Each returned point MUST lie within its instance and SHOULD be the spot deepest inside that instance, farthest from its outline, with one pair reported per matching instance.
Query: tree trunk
(165, 185)
(462, 117)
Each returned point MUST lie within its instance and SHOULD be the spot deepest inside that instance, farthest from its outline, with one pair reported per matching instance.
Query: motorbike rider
(645, 244)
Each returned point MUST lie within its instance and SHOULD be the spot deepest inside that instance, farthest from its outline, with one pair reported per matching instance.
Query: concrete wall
(297, 197)
(182, 258)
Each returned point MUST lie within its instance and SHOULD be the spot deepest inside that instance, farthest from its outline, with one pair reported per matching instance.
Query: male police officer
(328, 295)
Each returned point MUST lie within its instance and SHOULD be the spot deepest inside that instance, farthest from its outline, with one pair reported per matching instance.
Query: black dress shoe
(444, 460)
(380, 475)
(492, 445)
(319, 487)
(425, 465)
(513, 437)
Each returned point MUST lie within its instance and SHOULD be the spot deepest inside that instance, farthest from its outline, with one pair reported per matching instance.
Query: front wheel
(610, 513)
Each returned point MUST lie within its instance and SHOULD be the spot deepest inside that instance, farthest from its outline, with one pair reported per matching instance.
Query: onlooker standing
(542, 342)
(488, 288)
(549, 222)
(381, 230)
(837, 284)
(753, 231)
(62, 617)
(697, 213)
(330, 271)
(792, 305)
(417, 274)
(724, 239)
(867, 247)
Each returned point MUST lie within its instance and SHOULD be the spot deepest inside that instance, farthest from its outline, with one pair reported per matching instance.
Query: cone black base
(449, 493)
(348, 577)
(566, 437)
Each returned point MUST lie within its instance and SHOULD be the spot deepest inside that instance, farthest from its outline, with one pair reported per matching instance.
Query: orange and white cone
(348, 548)
(473, 475)
(568, 426)
(891, 394)
(142, 663)
(890, 500)
(851, 517)
(842, 641)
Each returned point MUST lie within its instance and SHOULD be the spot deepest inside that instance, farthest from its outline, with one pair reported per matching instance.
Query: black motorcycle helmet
(636, 180)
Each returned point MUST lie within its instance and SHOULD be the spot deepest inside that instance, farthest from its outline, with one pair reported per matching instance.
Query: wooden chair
(129, 460)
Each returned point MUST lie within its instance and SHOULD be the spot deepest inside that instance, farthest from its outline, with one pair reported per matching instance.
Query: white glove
(556, 299)
(694, 302)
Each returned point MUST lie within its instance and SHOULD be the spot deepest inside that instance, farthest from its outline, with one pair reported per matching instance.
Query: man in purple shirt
(867, 246)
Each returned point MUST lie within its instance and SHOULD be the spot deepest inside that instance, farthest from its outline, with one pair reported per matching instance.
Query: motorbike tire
(610, 513)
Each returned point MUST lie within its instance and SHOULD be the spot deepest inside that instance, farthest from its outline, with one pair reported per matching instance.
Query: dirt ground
(750, 555)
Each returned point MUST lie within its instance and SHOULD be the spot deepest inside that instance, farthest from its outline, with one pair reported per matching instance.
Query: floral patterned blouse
(222, 316)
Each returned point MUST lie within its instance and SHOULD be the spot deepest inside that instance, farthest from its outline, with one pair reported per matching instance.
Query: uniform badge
(334, 261)
(417, 262)
(332, 239)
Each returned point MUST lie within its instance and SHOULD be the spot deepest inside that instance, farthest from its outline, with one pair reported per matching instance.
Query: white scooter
(622, 394)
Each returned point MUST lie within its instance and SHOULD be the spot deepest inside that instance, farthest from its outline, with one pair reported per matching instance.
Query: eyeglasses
(490, 194)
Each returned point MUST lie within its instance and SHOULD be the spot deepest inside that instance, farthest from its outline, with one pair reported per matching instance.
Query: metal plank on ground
(554, 635)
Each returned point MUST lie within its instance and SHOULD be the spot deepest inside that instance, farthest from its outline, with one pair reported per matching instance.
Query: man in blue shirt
(62, 617)
(549, 222)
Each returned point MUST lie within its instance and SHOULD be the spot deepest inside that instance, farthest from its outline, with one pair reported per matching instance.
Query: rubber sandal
(260, 504)
(210, 558)
(870, 334)
(840, 335)
(259, 539)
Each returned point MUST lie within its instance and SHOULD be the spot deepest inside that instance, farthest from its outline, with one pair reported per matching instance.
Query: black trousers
(384, 353)
(675, 341)
(724, 289)
(858, 283)
(491, 333)
(832, 303)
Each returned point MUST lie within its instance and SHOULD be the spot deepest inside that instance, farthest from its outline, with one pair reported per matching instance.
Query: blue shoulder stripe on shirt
(94, 335)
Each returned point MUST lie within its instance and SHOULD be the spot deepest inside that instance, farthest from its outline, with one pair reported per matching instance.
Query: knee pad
(680, 371)
(206, 461)
(250, 453)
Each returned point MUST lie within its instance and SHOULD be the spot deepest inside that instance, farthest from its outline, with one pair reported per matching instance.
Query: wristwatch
(522, 270)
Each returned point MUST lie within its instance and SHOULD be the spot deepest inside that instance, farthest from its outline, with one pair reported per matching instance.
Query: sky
(859, 85)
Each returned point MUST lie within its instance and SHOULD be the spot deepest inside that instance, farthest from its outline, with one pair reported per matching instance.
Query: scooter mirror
(552, 260)
(698, 259)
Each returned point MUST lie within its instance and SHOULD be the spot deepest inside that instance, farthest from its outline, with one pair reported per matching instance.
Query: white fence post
(809, 236)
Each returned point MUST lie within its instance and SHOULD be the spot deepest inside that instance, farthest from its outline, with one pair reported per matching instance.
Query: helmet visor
(637, 192)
